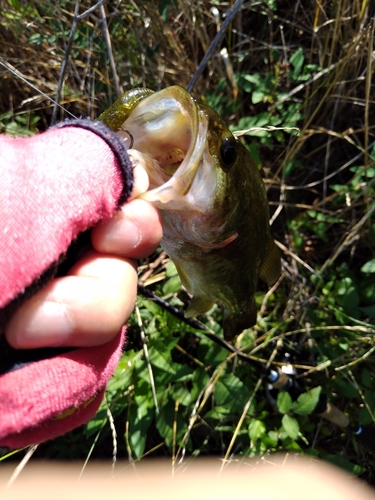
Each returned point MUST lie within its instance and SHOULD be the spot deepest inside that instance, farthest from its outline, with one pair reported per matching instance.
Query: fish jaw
(175, 193)
(169, 125)
(169, 136)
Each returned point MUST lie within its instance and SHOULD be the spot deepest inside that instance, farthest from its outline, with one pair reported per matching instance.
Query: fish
(211, 196)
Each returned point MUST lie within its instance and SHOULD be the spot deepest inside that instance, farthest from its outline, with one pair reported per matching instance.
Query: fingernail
(123, 236)
(44, 324)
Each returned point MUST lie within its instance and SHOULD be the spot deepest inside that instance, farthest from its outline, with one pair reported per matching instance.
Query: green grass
(293, 66)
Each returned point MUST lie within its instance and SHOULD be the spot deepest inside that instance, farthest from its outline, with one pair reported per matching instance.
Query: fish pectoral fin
(270, 268)
(236, 322)
(198, 305)
(183, 276)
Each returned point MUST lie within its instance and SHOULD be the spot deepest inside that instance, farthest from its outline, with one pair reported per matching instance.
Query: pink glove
(54, 186)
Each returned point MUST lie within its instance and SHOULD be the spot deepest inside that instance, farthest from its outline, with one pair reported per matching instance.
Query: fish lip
(171, 193)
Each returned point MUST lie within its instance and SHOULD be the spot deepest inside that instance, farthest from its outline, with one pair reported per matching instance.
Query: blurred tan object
(281, 478)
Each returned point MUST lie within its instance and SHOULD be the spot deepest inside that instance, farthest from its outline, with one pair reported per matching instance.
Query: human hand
(89, 305)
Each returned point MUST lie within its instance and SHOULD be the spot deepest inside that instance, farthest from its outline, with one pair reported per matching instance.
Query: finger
(141, 182)
(135, 231)
(88, 307)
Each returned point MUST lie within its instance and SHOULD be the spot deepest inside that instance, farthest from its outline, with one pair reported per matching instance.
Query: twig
(76, 19)
(305, 84)
(246, 408)
(92, 449)
(107, 39)
(357, 360)
(174, 435)
(350, 238)
(90, 10)
(270, 128)
(21, 465)
(65, 61)
(240, 422)
(268, 294)
(368, 90)
(324, 179)
(149, 367)
(152, 267)
(295, 257)
(351, 375)
(114, 438)
(199, 404)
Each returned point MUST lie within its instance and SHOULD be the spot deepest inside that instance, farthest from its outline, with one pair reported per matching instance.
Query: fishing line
(19, 75)
(218, 38)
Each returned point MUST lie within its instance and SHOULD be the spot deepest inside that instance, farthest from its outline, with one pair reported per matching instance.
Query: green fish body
(211, 198)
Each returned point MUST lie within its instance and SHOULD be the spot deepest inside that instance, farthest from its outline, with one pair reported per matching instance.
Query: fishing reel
(284, 379)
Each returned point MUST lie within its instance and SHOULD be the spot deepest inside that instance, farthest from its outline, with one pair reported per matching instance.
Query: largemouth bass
(211, 198)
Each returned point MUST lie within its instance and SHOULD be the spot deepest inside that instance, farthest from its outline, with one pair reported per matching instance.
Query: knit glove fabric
(54, 186)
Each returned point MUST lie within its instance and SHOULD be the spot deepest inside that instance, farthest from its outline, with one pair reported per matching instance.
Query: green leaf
(217, 413)
(171, 270)
(291, 426)
(124, 372)
(296, 60)
(158, 360)
(346, 389)
(172, 285)
(369, 267)
(163, 8)
(213, 354)
(254, 151)
(306, 402)
(368, 310)
(273, 437)
(256, 430)
(345, 464)
(231, 393)
(257, 96)
(368, 293)
(140, 419)
(364, 417)
(168, 421)
(284, 402)
(372, 234)
(151, 306)
(351, 299)
(96, 424)
(366, 378)
(181, 394)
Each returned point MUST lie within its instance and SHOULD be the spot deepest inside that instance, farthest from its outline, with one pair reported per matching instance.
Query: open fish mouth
(167, 136)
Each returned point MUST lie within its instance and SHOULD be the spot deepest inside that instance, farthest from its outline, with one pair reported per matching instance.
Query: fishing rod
(276, 378)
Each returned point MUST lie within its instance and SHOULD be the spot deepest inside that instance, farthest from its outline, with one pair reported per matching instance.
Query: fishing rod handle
(334, 415)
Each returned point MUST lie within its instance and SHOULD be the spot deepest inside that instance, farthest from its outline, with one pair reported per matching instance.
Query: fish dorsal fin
(198, 305)
(270, 267)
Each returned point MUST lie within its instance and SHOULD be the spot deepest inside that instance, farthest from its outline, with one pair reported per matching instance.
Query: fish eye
(228, 150)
